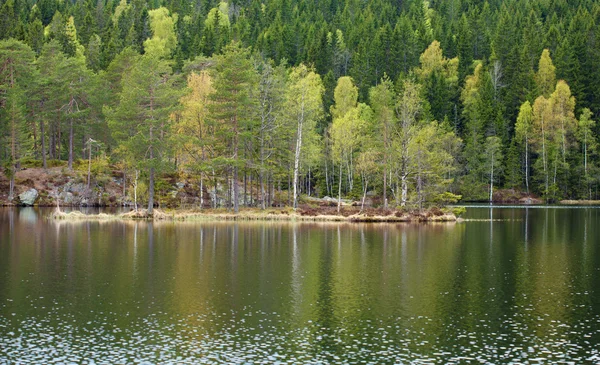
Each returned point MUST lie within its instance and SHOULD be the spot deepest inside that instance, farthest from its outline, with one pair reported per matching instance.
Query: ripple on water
(59, 339)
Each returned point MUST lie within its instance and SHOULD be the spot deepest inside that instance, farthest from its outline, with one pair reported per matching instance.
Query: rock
(29, 197)
(180, 185)
(530, 200)
(66, 197)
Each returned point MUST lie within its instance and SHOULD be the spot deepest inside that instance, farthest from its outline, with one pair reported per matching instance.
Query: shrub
(447, 198)
(31, 163)
(56, 163)
(459, 211)
(436, 211)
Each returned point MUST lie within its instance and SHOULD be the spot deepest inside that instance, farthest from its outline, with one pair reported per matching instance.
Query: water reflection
(515, 288)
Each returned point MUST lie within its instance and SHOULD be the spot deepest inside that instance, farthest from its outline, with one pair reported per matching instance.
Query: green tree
(140, 121)
(589, 146)
(382, 100)
(542, 138)
(347, 133)
(367, 168)
(304, 106)
(523, 130)
(493, 153)
(546, 76)
(270, 102)
(435, 149)
(163, 40)
(193, 134)
(232, 105)
(345, 97)
(408, 109)
(16, 77)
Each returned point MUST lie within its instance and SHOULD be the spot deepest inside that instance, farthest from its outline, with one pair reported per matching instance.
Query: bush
(31, 163)
(99, 166)
(447, 198)
(459, 211)
(56, 163)
(436, 211)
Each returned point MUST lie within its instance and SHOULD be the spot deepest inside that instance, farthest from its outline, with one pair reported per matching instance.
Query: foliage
(437, 93)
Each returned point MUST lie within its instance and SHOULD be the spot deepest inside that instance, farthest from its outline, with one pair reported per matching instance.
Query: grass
(580, 202)
(252, 214)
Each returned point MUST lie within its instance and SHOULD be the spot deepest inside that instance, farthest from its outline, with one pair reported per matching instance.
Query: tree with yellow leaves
(193, 132)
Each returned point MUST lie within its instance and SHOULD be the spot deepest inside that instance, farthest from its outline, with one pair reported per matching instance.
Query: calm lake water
(523, 288)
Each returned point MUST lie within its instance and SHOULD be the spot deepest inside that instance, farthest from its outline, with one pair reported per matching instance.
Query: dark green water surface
(522, 288)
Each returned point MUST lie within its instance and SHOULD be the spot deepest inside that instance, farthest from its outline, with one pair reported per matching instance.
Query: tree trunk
(297, 152)
(43, 140)
(215, 190)
(262, 175)
(527, 165)
(362, 205)
(13, 139)
(326, 178)
(385, 164)
(90, 165)
(404, 182)
(340, 188)
(71, 144)
(384, 186)
(151, 182)
(492, 180)
(201, 191)
(297, 162)
(51, 140)
(236, 191)
(544, 157)
(58, 141)
(151, 193)
(135, 186)
(13, 155)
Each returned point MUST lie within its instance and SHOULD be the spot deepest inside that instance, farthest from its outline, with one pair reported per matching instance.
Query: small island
(305, 214)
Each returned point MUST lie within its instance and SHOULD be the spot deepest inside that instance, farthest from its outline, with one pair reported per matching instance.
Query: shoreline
(253, 215)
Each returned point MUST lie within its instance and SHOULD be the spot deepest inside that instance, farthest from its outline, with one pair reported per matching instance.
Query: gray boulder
(29, 197)
(66, 197)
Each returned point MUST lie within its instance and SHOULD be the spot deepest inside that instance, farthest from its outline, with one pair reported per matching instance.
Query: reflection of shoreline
(249, 224)
(302, 288)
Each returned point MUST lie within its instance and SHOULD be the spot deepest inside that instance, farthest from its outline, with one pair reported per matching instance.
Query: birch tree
(382, 100)
(523, 130)
(193, 134)
(304, 107)
(589, 145)
(270, 101)
(493, 153)
(545, 78)
(407, 110)
(347, 134)
(542, 134)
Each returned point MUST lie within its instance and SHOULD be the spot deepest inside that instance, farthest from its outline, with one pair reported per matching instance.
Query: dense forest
(412, 101)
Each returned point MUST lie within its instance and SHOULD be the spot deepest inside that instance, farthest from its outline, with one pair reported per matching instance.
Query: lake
(523, 287)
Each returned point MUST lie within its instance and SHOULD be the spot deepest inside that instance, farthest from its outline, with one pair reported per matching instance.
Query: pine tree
(140, 121)
(16, 78)
(231, 104)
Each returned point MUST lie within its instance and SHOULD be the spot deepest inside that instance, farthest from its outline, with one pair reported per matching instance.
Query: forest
(414, 102)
